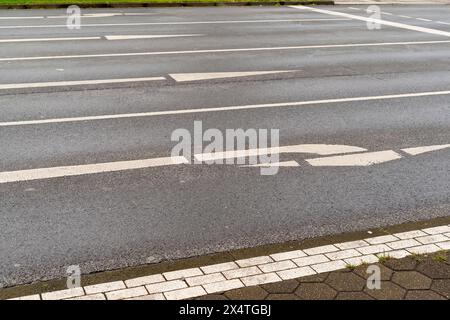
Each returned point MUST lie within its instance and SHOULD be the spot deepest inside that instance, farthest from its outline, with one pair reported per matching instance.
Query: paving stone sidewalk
(417, 277)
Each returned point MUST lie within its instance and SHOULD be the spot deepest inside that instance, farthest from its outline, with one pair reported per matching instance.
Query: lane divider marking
(175, 23)
(65, 171)
(157, 53)
(221, 109)
(107, 37)
(75, 83)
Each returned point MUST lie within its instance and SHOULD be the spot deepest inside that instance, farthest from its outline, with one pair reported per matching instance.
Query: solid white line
(48, 39)
(156, 53)
(379, 21)
(229, 108)
(150, 36)
(55, 172)
(420, 150)
(359, 160)
(111, 38)
(172, 23)
(422, 19)
(74, 83)
(22, 18)
(442, 22)
(182, 77)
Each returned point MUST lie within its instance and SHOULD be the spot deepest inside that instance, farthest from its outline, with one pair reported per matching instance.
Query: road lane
(115, 219)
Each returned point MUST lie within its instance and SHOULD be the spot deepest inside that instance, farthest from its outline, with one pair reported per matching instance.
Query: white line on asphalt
(48, 39)
(91, 15)
(22, 18)
(423, 19)
(85, 25)
(111, 37)
(219, 109)
(420, 150)
(75, 83)
(379, 21)
(156, 53)
(55, 172)
(150, 36)
(406, 17)
(321, 149)
(290, 163)
(362, 159)
(181, 77)
(442, 22)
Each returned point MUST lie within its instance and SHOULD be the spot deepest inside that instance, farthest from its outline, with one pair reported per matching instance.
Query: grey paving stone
(315, 291)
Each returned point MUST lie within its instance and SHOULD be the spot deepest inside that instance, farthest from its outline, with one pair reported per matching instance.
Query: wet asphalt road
(116, 219)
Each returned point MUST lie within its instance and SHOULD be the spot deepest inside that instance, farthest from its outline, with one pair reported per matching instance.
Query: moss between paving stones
(48, 4)
(138, 271)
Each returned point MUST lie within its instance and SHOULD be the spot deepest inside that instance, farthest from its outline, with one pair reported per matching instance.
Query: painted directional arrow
(355, 157)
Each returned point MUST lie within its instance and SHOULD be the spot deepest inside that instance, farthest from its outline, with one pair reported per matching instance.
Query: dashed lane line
(157, 53)
(374, 20)
(222, 109)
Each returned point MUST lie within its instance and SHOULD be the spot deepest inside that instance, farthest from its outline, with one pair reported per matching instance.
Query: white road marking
(157, 53)
(321, 149)
(362, 159)
(111, 38)
(442, 22)
(291, 163)
(406, 17)
(386, 13)
(423, 19)
(75, 83)
(420, 150)
(150, 36)
(181, 77)
(86, 25)
(48, 39)
(219, 109)
(56, 172)
(379, 21)
(22, 18)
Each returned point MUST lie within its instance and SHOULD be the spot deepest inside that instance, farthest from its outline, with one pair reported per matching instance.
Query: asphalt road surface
(346, 84)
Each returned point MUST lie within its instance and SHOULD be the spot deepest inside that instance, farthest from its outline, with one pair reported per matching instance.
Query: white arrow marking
(74, 83)
(56, 172)
(181, 77)
(362, 159)
(321, 149)
(291, 163)
(150, 36)
(420, 150)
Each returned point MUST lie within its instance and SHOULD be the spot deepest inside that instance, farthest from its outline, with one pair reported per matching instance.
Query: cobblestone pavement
(416, 277)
